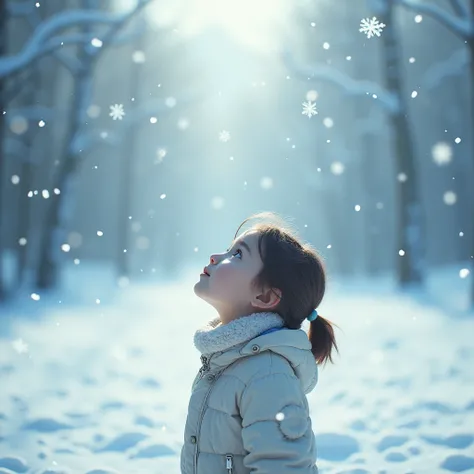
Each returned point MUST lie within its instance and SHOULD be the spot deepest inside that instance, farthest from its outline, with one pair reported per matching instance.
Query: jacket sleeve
(276, 428)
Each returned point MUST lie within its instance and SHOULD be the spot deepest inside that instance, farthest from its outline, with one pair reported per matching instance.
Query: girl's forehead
(249, 237)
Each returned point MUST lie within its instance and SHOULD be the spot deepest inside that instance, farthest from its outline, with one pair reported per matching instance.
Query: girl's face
(226, 282)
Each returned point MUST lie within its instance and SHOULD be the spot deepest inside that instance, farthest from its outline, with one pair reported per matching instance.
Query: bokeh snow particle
(450, 198)
(217, 203)
(15, 179)
(93, 111)
(160, 155)
(337, 168)
(19, 125)
(20, 346)
(371, 27)
(35, 296)
(464, 272)
(266, 183)
(312, 95)
(224, 136)
(309, 108)
(138, 57)
(328, 122)
(442, 153)
(96, 42)
(170, 102)
(117, 112)
(183, 124)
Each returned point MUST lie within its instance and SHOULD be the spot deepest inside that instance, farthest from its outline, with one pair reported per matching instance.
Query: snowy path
(104, 389)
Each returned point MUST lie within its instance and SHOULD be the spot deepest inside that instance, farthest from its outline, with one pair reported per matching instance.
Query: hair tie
(313, 315)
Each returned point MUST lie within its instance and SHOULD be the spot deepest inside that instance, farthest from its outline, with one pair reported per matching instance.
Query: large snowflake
(309, 108)
(371, 27)
(117, 112)
(224, 136)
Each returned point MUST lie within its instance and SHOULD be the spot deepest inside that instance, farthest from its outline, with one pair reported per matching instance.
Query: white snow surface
(103, 388)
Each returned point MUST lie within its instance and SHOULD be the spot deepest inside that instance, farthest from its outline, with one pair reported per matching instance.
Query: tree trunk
(3, 52)
(60, 209)
(410, 225)
(125, 197)
(471, 230)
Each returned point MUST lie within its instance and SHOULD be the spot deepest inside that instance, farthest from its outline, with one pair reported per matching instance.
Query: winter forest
(136, 135)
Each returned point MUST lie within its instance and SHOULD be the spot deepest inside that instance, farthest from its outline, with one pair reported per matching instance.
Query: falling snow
(20, 346)
(309, 108)
(442, 153)
(224, 136)
(117, 112)
(371, 27)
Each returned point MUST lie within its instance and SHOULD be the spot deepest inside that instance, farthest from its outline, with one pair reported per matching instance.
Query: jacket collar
(215, 337)
(223, 345)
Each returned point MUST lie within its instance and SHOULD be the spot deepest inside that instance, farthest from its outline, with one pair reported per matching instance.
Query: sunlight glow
(254, 23)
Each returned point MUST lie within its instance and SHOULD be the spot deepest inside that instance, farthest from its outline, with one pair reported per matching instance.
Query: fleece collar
(215, 337)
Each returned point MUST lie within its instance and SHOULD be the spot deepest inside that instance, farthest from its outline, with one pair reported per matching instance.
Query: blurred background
(136, 135)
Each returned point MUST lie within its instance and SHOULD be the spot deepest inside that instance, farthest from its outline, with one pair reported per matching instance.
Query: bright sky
(255, 23)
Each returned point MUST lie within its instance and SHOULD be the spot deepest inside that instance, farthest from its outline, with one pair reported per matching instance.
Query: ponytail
(323, 341)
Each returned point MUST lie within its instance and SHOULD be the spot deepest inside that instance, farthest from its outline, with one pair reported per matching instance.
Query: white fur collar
(216, 337)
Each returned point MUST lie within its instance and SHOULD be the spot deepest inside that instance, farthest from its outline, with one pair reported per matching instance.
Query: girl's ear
(267, 299)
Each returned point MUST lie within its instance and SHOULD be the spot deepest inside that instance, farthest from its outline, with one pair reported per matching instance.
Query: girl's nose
(213, 259)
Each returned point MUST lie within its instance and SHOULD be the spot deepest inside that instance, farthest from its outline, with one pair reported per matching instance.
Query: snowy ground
(103, 388)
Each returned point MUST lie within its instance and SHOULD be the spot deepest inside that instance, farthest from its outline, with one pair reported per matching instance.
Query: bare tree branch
(40, 43)
(86, 140)
(455, 65)
(322, 72)
(460, 26)
(460, 8)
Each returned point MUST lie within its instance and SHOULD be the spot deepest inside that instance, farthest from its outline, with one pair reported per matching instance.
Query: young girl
(248, 411)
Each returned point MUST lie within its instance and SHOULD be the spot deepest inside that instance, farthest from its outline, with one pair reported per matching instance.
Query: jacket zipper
(205, 367)
(229, 463)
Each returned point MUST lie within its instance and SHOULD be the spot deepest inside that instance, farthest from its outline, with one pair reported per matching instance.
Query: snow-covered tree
(3, 49)
(461, 23)
(410, 235)
(63, 185)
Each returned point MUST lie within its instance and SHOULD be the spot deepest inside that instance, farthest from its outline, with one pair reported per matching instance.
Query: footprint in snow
(154, 451)
(46, 425)
(123, 442)
(14, 464)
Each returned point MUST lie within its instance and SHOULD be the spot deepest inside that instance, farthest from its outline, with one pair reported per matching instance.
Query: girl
(248, 411)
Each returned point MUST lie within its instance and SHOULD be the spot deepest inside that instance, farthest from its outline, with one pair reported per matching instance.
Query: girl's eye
(238, 251)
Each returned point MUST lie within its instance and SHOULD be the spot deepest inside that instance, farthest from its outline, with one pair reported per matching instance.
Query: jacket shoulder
(260, 365)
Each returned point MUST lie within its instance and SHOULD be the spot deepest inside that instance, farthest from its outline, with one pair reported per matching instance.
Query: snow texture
(103, 389)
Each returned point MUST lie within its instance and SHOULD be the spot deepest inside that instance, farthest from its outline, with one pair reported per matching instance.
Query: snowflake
(224, 136)
(309, 109)
(116, 111)
(371, 27)
(20, 346)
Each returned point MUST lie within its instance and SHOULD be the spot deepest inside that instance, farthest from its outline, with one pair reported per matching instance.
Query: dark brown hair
(297, 270)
